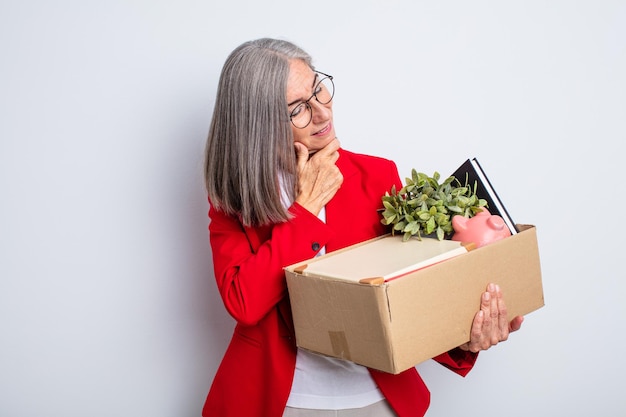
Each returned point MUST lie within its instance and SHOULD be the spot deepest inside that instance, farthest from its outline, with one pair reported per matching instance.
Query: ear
(459, 223)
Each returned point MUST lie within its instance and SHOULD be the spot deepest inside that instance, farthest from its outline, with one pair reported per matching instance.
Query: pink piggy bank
(481, 229)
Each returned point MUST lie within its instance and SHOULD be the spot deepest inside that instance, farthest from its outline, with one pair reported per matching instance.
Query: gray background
(108, 305)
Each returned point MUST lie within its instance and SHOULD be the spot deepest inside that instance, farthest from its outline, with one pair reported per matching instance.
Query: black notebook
(472, 170)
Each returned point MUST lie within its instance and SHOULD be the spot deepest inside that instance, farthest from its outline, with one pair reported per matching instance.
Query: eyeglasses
(323, 92)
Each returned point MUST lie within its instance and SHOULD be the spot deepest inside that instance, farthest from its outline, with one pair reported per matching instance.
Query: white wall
(107, 301)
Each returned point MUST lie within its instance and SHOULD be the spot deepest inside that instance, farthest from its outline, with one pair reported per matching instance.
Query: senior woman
(281, 190)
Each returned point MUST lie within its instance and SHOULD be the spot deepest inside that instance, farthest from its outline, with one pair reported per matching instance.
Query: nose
(321, 112)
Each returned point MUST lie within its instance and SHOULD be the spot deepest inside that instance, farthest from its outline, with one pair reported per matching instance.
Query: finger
(503, 320)
(516, 323)
(476, 333)
(487, 307)
(481, 324)
(493, 331)
(485, 302)
(302, 154)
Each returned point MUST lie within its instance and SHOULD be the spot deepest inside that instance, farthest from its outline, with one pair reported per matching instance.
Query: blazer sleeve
(458, 360)
(248, 262)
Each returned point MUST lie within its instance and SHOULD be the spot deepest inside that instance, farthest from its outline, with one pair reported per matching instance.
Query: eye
(298, 110)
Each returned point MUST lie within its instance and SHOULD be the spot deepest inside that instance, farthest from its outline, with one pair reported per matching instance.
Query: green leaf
(387, 220)
(449, 180)
(424, 215)
(388, 205)
(430, 225)
(412, 227)
(413, 201)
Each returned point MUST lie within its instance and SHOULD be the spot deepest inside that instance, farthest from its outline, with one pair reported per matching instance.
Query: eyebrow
(312, 86)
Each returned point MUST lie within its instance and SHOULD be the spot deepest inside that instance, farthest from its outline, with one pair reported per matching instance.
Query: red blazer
(256, 373)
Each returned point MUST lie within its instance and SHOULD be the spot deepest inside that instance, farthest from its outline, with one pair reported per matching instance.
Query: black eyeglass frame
(306, 102)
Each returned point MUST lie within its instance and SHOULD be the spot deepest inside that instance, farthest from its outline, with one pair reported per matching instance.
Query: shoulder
(368, 169)
(360, 159)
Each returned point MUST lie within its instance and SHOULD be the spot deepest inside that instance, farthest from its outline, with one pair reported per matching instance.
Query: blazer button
(315, 246)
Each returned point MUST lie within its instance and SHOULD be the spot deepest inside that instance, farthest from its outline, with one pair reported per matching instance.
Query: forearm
(250, 273)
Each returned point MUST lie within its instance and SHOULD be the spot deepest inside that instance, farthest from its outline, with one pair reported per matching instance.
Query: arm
(249, 274)
(249, 262)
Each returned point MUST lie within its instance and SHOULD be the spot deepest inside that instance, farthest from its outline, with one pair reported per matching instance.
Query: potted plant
(423, 206)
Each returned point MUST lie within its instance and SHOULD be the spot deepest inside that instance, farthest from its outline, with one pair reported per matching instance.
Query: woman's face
(300, 85)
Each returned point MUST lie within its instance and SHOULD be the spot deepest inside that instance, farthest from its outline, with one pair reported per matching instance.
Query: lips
(324, 130)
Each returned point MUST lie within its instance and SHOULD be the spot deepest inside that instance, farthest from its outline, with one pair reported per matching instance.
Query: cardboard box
(394, 325)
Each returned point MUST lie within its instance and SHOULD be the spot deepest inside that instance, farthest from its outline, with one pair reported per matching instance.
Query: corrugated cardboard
(397, 324)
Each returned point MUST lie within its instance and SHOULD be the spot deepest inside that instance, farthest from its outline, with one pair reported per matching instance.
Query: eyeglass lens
(302, 114)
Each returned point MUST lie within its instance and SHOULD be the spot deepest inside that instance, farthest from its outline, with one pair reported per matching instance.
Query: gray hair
(249, 150)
